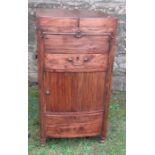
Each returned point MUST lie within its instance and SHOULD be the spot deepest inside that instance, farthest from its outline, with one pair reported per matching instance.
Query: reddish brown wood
(73, 29)
(57, 22)
(70, 118)
(76, 62)
(108, 83)
(40, 47)
(71, 42)
(61, 20)
(76, 130)
(75, 57)
(72, 92)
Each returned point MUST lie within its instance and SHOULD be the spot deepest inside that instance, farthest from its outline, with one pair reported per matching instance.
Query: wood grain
(86, 29)
(66, 118)
(72, 92)
(40, 47)
(75, 130)
(71, 42)
(74, 72)
(76, 62)
(108, 84)
(57, 22)
(97, 22)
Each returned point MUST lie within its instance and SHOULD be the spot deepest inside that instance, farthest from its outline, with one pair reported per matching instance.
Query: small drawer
(74, 42)
(76, 62)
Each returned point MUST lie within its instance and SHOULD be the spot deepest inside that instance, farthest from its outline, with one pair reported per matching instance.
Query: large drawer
(73, 118)
(79, 130)
(76, 62)
(76, 43)
(73, 125)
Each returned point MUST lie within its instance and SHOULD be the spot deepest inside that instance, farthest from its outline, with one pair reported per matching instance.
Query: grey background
(112, 7)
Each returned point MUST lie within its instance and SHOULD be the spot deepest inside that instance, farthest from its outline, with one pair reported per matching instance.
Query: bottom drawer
(73, 125)
(79, 130)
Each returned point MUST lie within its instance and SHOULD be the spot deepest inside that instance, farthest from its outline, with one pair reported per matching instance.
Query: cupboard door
(73, 92)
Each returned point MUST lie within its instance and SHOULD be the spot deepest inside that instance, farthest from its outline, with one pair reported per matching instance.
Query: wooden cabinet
(75, 59)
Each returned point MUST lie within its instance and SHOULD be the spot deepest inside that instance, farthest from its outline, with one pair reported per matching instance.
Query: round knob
(85, 59)
(47, 92)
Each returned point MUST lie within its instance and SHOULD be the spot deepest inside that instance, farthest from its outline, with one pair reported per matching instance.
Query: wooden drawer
(78, 130)
(73, 124)
(76, 43)
(72, 118)
(76, 62)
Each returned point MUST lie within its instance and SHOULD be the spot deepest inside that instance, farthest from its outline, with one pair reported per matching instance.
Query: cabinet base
(43, 140)
(72, 125)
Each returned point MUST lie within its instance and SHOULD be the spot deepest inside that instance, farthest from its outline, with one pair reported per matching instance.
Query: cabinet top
(64, 13)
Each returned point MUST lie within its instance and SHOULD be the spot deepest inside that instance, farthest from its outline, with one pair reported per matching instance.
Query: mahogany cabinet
(75, 59)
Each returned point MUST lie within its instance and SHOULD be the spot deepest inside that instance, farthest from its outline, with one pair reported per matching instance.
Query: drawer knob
(47, 92)
(85, 59)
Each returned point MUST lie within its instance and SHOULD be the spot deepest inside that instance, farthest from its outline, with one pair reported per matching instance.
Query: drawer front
(73, 125)
(76, 62)
(79, 130)
(76, 43)
(72, 119)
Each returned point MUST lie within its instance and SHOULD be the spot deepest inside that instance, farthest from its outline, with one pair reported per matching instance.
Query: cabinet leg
(102, 139)
(42, 141)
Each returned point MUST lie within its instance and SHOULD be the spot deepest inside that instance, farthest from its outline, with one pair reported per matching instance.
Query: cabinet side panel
(40, 51)
(71, 92)
(108, 83)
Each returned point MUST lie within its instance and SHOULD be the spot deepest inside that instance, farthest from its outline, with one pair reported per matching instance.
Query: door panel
(71, 92)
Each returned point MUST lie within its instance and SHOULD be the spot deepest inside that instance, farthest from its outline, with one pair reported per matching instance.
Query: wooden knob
(47, 92)
(85, 59)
